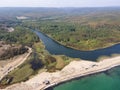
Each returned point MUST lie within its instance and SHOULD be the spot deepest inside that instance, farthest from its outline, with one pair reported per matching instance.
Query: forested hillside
(83, 37)
(79, 28)
(13, 43)
(80, 36)
(21, 35)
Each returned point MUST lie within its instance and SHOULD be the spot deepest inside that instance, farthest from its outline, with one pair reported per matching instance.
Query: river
(55, 48)
(109, 80)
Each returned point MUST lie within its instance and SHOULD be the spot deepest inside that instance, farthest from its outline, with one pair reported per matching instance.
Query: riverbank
(74, 70)
(75, 48)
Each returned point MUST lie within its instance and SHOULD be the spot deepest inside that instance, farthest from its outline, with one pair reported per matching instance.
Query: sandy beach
(73, 70)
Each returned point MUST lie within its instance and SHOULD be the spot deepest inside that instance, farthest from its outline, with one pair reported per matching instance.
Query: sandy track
(73, 70)
(14, 64)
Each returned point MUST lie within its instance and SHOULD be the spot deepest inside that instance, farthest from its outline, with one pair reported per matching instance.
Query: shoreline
(49, 88)
(76, 69)
(80, 76)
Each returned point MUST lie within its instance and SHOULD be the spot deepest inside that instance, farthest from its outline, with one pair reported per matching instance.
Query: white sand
(73, 70)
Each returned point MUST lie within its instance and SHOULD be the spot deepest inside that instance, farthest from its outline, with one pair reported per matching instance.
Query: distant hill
(50, 12)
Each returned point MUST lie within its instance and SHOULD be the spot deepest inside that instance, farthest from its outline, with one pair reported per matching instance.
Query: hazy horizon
(60, 7)
(59, 4)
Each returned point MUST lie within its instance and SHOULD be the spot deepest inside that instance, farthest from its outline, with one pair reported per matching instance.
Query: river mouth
(55, 48)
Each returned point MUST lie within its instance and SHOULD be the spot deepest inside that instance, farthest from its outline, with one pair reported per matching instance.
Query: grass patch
(21, 74)
(38, 60)
(60, 62)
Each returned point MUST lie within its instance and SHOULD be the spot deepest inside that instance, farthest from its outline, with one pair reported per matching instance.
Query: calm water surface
(55, 48)
(109, 80)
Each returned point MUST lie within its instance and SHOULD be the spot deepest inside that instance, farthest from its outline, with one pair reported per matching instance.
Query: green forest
(21, 35)
(39, 60)
(82, 29)
(79, 36)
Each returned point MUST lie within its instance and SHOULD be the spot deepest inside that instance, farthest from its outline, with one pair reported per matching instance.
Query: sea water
(109, 80)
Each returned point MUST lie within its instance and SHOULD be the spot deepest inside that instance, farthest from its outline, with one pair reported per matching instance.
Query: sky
(59, 3)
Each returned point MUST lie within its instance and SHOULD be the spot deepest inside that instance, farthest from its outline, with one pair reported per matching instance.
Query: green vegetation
(84, 29)
(38, 60)
(62, 61)
(79, 36)
(80, 28)
(21, 35)
(50, 62)
(14, 42)
(30, 67)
